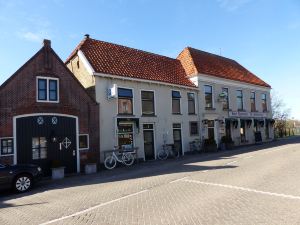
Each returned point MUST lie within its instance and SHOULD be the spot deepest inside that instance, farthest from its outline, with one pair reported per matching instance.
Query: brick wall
(18, 96)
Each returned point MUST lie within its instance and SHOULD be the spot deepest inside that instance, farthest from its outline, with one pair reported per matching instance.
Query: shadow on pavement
(146, 169)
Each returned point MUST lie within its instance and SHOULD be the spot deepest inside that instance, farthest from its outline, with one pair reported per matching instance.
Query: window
(264, 102)
(47, 89)
(125, 101)
(252, 102)
(194, 128)
(176, 102)
(239, 98)
(208, 96)
(148, 103)
(39, 148)
(226, 100)
(6, 146)
(125, 136)
(191, 103)
(83, 141)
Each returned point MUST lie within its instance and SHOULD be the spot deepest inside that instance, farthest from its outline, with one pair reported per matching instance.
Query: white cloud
(34, 36)
(232, 5)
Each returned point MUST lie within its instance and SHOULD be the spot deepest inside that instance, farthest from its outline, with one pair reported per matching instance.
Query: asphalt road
(251, 185)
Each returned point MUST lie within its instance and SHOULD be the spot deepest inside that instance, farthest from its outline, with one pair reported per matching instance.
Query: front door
(47, 141)
(148, 141)
(177, 138)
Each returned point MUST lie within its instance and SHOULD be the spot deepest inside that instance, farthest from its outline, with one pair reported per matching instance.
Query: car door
(5, 176)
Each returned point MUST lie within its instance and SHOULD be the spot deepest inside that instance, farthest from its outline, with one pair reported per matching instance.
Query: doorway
(149, 144)
(46, 140)
(177, 138)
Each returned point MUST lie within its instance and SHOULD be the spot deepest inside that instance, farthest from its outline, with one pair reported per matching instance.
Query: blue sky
(263, 35)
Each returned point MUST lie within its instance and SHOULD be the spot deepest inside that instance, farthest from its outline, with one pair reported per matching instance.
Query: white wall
(162, 121)
(219, 113)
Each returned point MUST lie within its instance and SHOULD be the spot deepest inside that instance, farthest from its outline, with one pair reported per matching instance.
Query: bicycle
(123, 157)
(196, 146)
(166, 151)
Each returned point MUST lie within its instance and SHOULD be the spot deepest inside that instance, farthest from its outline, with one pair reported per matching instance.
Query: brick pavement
(147, 193)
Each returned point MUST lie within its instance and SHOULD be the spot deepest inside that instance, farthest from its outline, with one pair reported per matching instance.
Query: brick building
(46, 116)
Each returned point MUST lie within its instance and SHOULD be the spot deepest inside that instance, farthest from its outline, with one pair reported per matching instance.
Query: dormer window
(47, 89)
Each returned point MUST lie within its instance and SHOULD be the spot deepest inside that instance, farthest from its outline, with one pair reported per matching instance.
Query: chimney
(87, 36)
(47, 43)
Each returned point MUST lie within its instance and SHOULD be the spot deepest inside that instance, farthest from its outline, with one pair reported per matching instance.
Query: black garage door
(47, 140)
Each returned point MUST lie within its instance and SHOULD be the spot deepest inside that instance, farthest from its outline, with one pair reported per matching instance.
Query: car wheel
(22, 183)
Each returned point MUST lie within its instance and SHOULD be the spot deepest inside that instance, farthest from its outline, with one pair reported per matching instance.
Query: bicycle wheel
(162, 155)
(110, 162)
(127, 159)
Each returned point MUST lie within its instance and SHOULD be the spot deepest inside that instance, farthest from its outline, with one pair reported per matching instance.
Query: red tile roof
(123, 61)
(196, 61)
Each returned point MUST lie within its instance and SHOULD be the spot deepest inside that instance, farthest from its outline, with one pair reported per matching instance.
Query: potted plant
(90, 163)
(210, 145)
(58, 171)
(227, 141)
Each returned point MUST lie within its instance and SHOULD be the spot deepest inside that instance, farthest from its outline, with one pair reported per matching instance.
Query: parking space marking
(174, 181)
(230, 163)
(94, 207)
(243, 189)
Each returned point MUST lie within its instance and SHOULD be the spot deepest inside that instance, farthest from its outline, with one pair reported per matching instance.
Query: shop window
(194, 130)
(125, 101)
(125, 136)
(6, 146)
(83, 141)
(148, 103)
(47, 89)
(176, 102)
(191, 103)
(39, 148)
(208, 96)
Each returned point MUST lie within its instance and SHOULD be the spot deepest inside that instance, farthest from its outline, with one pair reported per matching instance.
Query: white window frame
(133, 100)
(228, 98)
(243, 103)
(13, 148)
(195, 104)
(153, 99)
(37, 89)
(88, 141)
(180, 103)
(212, 96)
(198, 128)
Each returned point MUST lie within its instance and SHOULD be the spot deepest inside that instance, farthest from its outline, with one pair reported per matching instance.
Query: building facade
(236, 103)
(46, 116)
(146, 99)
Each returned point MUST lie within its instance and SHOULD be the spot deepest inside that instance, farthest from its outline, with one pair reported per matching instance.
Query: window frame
(227, 98)
(47, 89)
(172, 98)
(264, 102)
(242, 98)
(154, 103)
(88, 142)
(195, 112)
(190, 123)
(132, 99)
(254, 101)
(13, 148)
(212, 96)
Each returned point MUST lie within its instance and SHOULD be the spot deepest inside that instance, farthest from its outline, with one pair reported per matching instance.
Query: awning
(136, 121)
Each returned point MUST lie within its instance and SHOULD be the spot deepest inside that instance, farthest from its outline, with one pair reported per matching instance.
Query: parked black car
(19, 177)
